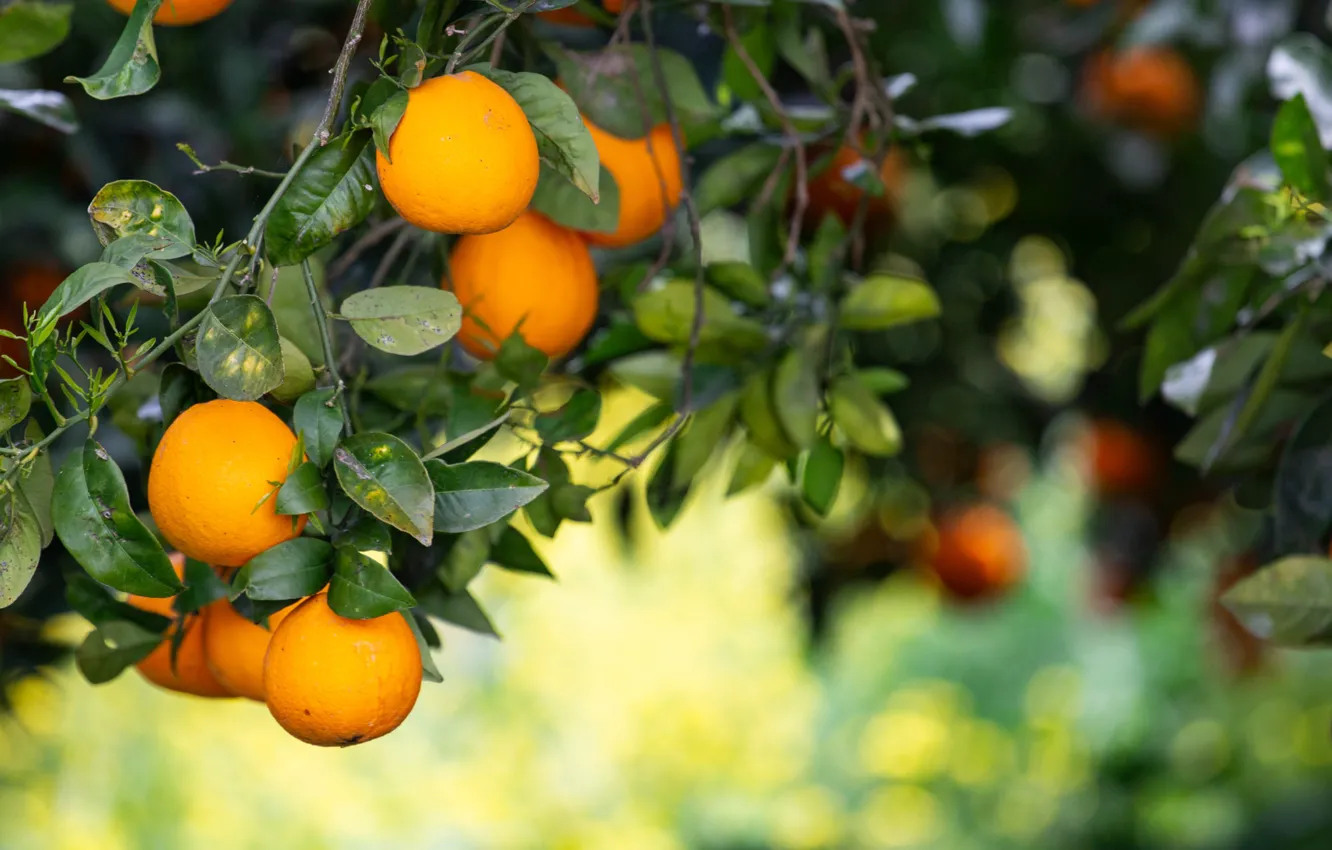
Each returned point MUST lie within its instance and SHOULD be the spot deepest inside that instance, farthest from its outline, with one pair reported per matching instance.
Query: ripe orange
(1152, 89)
(30, 285)
(464, 158)
(191, 674)
(642, 169)
(533, 272)
(214, 466)
(234, 648)
(977, 551)
(571, 17)
(1120, 460)
(831, 192)
(178, 13)
(333, 682)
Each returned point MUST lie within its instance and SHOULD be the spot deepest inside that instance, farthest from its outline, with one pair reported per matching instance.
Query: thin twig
(791, 133)
(203, 168)
(367, 240)
(340, 72)
(459, 58)
(326, 339)
(390, 257)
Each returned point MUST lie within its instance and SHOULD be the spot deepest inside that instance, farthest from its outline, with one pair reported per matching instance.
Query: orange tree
(310, 422)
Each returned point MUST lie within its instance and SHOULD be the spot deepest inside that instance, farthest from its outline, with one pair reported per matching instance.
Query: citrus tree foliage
(388, 409)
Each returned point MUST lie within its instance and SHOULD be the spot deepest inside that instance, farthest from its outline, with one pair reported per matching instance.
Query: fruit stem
(326, 338)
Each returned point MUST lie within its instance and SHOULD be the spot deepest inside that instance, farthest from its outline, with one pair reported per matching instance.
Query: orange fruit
(178, 13)
(191, 674)
(1152, 89)
(831, 193)
(571, 17)
(642, 169)
(234, 648)
(463, 159)
(1120, 460)
(977, 551)
(31, 285)
(534, 273)
(334, 682)
(213, 467)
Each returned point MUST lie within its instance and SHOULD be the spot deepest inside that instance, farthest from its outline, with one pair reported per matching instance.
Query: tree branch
(340, 72)
(326, 339)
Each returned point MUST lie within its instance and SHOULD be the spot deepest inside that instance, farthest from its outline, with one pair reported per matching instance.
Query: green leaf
(666, 314)
(651, 417)
(567, 205)
(475, 494)
(754, 467)
(290, 570)
(463, 562)
(1170, 341)
(884, 301)
(758, 43)
(822, 476)
(569, 501)
(740, 281)
(287, 296)
(1302, 64)
(519, 362)
(382, 474)
(549, 467)
(574, 421)
(131, 68)
(882, 380)
(795, 397)
(513, 552)
(95, 602)
(1288, 603)
(1302, 504)
(202, 586)
(615, 87)
(303, 492)
(404, 320)
(240, 354)
(665, 493)
(79, 288)
(706, 431)
(736, 177)
(563, 140)
(112, 647)
(15, 400)
(180, 389)
(46, 107)
(362, 589)
(656, 373)
(333, 193)
(297, 374)
(385, 118)
(20, 546)
(759, 416)
(1298, 151)
(36, 485)
(460, 609)
(468, 443)
(28, 29)
(866, 422)
(137, 207)
(318, 421)
(93, 518)
(429, 672)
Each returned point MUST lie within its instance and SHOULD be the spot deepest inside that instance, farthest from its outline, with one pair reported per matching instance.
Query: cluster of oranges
(326, 679)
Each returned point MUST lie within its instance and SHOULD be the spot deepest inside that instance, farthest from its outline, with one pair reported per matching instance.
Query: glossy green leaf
(475, 494)
(574, 421)
(404, 320)
(362, 589)
(86, 283)
(385, 119)
(297, 374)
(179, 390)
(137, 207)
(93, 518)
(821, 476)
(563, 140)
(318, 421)
(795, 396)
(29, 28)
(111, 648)
(467, 554)
(15, 401)
(460, 609)
(1298, 151)
(567, 205)
(303, 492)
(429, 670)
(514, 552)
(131, 68)
(551, 468)
(202, 587)
(1288, 603)
(666, 314)
(46, 107)
(736, 177)
(240, 353)
(333, 193)
(468, 443)
(290, 570)
(884, 301)
(96, 603)
(289, 299)
(383, 474)
(866, 422)
(519, 362)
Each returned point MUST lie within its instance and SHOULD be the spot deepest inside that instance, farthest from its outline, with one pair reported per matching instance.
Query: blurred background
(759, 677)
